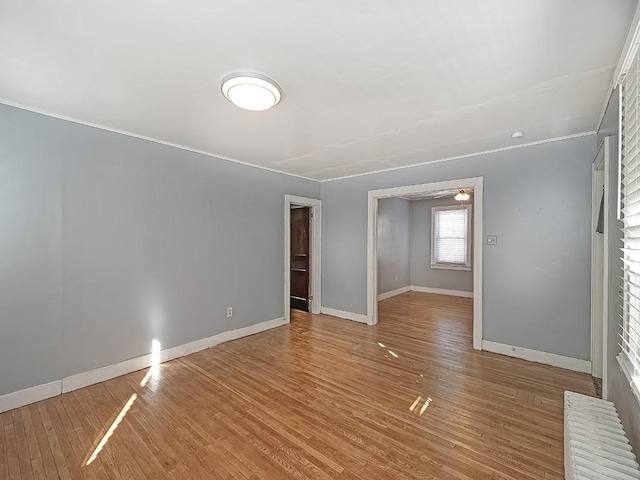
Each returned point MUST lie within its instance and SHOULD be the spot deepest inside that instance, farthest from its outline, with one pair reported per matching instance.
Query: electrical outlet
(229, 312)
(492, 240)
(396, 277)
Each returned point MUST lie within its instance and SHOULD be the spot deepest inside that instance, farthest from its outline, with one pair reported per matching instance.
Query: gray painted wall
(619, 389)
(108, 241)
(536, 281)
(422, 275)
(394, 244)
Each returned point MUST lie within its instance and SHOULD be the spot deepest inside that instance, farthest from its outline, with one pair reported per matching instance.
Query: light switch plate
(492, 240)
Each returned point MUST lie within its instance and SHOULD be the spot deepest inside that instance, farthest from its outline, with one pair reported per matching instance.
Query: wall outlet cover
(229, 312)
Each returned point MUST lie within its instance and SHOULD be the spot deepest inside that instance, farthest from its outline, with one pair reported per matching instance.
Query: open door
(603, 201)
(300, 258)
(597, 265)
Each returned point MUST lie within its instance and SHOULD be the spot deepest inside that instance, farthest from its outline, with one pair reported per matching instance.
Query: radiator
(595, 445)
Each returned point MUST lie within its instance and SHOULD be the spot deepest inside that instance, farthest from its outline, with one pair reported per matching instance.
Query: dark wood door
(300, 258)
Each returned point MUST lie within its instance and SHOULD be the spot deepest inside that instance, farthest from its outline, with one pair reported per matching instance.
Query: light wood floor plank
(321, 398)
(4, 467)
(69, 458)
(44, 446)
(35, 457)
(77, 421)
(13, 460)
(23, 449)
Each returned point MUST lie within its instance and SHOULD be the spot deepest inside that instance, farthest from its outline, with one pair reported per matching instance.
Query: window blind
(630, 210)
(450, 236)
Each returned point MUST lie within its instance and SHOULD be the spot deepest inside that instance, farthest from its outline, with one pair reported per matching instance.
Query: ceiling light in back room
(251, 91)
(462, 196)
(517, 135)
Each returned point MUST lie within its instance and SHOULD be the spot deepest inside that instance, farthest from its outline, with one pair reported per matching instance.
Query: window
(630, 215)
(450, 237)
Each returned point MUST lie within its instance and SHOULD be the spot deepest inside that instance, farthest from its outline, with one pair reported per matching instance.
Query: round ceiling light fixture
(461, 196)
(517, 134)
(251, 91)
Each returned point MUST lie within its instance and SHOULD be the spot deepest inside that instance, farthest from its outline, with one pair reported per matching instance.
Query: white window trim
(451, 266)
(627, 359)
(627, 368)
(627, 57)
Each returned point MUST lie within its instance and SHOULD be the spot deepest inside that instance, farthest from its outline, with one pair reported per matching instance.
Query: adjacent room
(331, 240)
(424, 244)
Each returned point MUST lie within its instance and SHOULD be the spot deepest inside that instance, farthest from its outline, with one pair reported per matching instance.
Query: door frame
(599, 339)
(475, 183)
(315, 279)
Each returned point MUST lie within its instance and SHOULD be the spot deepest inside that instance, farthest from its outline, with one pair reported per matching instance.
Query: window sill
(627, 369)
(444, 266)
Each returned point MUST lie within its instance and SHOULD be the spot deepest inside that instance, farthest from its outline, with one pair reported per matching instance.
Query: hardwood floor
(321, 398)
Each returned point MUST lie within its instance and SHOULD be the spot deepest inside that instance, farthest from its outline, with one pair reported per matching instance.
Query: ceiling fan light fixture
(251, 91)
(462, 196)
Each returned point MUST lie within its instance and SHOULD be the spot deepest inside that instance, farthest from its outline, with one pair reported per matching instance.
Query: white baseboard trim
(122, 368)
(393, 293)
(569, 363)
(442, 291)
(30, 395)
(356, 317)
(74, 382)
(84, 379)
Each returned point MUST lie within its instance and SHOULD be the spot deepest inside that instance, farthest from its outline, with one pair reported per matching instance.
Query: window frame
(628, 159)
(451, 266)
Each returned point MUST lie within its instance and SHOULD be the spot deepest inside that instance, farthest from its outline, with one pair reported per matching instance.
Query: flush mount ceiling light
(251, 91)
(517, 134)
(462, 196)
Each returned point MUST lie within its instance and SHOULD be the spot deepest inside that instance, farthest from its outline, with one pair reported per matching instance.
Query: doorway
(302, 255)
(602, 198)
(425, 244)
(300, 258)
(472, 184)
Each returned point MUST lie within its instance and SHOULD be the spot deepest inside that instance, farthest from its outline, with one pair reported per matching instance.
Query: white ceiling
(368, 85)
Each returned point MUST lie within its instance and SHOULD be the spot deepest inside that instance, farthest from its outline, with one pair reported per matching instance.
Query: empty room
(320, 240)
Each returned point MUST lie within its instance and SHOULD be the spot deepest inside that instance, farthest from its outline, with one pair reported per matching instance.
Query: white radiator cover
(595, 445)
